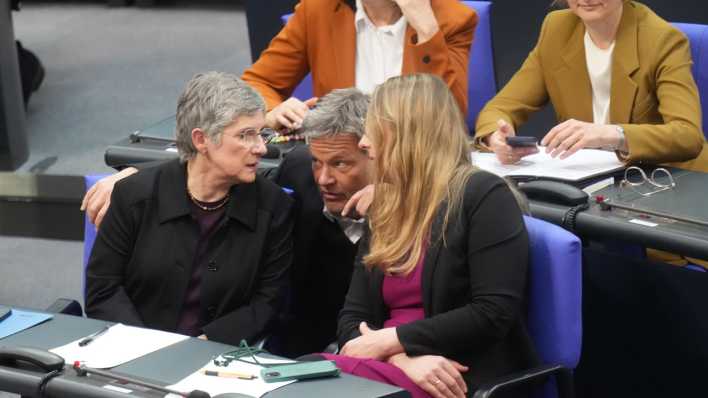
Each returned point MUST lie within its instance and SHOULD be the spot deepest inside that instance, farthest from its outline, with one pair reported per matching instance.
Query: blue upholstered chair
(89, 230)
(70, 306)
(554, 311)
(482, 85)
(698, 37)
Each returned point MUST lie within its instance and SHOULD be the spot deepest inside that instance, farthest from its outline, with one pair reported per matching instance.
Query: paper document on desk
(215, 385)
(583, 164)
(118, 345)
(20, 320)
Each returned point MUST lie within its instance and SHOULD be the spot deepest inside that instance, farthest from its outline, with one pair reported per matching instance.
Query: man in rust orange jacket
(348, 43)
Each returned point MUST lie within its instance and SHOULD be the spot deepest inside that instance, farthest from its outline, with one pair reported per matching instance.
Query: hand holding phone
(521, 141)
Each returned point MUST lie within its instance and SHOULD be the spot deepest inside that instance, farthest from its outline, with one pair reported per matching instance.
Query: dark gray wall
(515, 27)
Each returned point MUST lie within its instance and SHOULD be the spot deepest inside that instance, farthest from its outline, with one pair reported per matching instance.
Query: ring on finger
(436, 381)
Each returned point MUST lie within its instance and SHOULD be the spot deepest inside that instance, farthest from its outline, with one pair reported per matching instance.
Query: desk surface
(166, 366)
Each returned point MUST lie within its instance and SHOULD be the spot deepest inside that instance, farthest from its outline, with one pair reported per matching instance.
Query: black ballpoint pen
(92, 337)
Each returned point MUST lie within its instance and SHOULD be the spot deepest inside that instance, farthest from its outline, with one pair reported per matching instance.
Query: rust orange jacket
(321, 38)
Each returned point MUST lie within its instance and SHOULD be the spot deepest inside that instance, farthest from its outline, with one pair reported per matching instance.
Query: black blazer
(141, 263)
(473, 288)
(322, 266)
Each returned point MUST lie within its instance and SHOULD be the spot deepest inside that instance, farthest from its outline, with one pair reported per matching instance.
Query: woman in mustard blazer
(618, 76)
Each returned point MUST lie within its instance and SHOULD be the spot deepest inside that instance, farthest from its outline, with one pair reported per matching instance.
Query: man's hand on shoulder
(98, 198)
(289, 114)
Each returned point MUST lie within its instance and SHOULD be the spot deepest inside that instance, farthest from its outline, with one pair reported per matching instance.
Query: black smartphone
(521, 141)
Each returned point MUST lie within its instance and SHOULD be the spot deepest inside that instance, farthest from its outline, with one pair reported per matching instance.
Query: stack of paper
(585, 163)
(117, 346)
(215, 385)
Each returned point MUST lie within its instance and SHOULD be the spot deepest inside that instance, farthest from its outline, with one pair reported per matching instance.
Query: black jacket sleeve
(106, 297)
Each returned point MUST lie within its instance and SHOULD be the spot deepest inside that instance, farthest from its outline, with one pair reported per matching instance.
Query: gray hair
(211, 101)
(342, 111)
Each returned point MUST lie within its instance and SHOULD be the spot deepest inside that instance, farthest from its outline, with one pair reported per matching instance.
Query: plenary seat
(554, 313)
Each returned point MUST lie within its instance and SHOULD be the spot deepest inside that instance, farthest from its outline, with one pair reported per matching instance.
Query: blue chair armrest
(564, 381)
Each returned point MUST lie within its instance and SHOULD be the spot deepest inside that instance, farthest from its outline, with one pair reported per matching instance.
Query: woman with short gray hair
(199, 245)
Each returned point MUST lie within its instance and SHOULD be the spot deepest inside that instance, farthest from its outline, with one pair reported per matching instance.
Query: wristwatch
(620, 143)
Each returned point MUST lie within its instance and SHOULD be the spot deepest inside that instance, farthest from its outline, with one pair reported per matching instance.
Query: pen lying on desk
(88, 339)
(233, 375)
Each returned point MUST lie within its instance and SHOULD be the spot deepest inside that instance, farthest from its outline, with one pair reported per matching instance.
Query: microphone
(83, 370)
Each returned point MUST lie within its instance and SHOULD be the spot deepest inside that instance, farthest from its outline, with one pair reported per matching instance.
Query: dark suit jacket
(322, 267)
(473, 288)
(141, 263)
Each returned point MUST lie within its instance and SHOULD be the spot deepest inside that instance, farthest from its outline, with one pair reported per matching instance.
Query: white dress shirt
(379, 50)
(599, 64)
(353, 229)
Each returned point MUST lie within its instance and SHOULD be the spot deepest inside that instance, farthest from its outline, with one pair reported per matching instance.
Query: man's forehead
(340, 143)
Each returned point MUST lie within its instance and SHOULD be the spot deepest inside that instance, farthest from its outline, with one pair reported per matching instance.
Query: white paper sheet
(583, 164)
(271, 361)
(118, 345)
(215, 385)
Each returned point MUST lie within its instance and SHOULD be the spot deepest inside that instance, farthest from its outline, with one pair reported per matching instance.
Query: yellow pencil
(233, 375)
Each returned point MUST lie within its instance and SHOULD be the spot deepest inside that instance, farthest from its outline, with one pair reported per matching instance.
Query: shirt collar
(361, 20)
(353, 229)
(173, 201)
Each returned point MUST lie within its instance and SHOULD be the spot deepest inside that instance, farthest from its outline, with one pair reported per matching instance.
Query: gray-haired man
(324, 177)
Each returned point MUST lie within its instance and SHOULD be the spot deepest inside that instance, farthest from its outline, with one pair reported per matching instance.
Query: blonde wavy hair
(422, 160)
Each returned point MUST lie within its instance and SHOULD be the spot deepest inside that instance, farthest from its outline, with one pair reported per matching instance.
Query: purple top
(403, 295)
(190, 322)
(404, 299)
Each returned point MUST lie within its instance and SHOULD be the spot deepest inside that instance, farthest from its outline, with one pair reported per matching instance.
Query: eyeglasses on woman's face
(252, 137)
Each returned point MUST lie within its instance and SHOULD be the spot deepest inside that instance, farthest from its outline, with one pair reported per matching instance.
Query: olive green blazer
(653, 94)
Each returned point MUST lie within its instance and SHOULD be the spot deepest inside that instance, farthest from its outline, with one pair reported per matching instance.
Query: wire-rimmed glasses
(645, 185)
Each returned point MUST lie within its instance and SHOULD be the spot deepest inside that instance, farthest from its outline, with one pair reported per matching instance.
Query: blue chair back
(89, 230)
(482, 83)
(698, 37)
(555, 295)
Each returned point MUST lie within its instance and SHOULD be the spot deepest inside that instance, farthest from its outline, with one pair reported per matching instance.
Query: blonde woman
(618, 76)
(436, 298)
